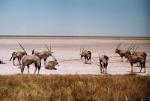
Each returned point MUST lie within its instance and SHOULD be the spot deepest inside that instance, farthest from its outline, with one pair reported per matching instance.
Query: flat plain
(67, 52)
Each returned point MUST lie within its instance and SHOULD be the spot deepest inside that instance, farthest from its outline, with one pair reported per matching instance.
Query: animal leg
(144, 67)
(131, 67)
(121, 59)
(14, 62)
(28, 69)
(127, 60)
(106, 70)
(39, 67)
(44, 62)
(19, 60)
(22, 69)
(90, 61)
(85, 61)
(101, 69)
(35, 68)
(55, 68)
(144, 70)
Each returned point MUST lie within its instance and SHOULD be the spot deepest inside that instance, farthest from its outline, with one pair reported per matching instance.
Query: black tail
(33, 51)
(10, 58)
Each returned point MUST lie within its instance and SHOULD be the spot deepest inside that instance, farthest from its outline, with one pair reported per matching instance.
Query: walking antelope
(86, 55)
(18, 55)
(103, 61)
(51, 64)
(27, 60)
(43, 54)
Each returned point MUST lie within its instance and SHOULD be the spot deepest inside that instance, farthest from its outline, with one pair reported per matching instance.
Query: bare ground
(67, 51)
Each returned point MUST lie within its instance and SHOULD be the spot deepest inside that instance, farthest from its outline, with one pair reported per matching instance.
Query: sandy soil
(67, 51)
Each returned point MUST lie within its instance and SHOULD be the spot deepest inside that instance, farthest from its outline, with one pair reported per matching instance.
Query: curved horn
(118, 45)
(136, 48)
(129, 48)
(132, 46)
(50, 48)
(22, 47)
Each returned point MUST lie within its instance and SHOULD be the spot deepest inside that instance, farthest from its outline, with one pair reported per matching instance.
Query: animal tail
(145, 55)
(10, 58)
(33, 51)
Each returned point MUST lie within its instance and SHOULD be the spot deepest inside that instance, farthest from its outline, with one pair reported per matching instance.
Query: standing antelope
(137, 59)
(139, 53)
(27, 60)
(43, 54)
(18, 55)
(86, 54)
(103, 61)
(122, 53)
(51, 64)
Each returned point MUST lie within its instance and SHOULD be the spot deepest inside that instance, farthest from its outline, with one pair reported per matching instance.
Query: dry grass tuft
(74, 88)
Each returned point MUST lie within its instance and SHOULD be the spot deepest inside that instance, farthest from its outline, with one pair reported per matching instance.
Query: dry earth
(67, 51)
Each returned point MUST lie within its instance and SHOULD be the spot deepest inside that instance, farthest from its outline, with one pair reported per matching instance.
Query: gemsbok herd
(24, 60)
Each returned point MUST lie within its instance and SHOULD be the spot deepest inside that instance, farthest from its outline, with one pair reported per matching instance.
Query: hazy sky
(75, 17)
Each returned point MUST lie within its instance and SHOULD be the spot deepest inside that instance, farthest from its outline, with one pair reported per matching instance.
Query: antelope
(43, 54)
(123, 53)
(143, 54)
(137, 59)
(103, 61)
(86, 54)
(27, 60)
(18, 55)
(51, 64)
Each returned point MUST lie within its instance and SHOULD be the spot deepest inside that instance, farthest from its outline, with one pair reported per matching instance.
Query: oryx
(18, 55)
(137, 59)
(27, 60)
(50, 64)
(103, 62)
(43, 54)
(122, 53)
(86, 54)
